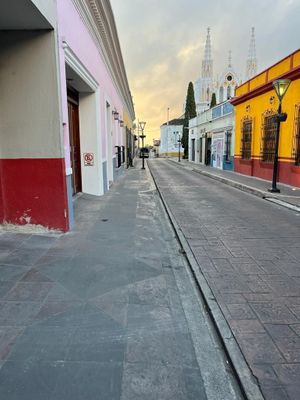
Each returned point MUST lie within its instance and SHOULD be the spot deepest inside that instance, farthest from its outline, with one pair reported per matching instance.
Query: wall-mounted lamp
(116, 115)
(121, 123)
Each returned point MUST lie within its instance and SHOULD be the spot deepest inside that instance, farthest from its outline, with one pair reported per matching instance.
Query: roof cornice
(99, 20)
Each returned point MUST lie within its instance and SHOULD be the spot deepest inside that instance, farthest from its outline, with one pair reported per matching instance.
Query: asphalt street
(109, 310)
(248, 251)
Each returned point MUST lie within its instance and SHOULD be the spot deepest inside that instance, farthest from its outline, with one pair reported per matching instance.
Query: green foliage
(213, 101)
(190, 112)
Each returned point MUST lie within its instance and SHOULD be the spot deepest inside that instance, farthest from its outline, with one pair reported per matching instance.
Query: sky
(163, 43)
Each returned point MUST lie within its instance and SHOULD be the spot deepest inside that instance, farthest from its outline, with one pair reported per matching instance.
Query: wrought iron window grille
(296, 138)
(246, 138)
(228, 136)
(268, 138)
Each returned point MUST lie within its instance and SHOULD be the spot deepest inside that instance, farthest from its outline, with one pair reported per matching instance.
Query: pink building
(66, 110)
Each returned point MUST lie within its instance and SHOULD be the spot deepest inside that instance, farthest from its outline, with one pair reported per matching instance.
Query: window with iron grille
(269, 129)
(296, 141)
(246, 136)
(228, 145)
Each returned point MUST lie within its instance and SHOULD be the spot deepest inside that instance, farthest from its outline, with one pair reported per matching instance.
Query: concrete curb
(241, 186)
(246, 379)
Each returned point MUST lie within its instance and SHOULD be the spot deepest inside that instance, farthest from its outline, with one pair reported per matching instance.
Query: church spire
(251, 67)
(230, 59)
(207, 63)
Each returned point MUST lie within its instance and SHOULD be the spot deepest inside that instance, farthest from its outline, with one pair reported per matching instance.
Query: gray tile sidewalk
(97, 313)
(288, 194)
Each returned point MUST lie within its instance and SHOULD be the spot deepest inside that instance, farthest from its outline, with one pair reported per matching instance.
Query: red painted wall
(287, 172)
(34, 191)
(1, 199)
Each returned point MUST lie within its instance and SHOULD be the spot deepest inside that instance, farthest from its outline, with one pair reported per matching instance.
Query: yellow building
(256, 104)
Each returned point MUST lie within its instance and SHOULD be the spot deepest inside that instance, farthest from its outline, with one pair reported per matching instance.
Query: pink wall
(72, 30)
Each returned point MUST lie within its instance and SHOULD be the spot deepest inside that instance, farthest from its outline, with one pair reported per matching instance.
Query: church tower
(251, 66)
(204, 85)
(227, 82)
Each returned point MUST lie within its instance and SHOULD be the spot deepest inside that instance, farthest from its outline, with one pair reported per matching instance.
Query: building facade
(170, 133)
(211, 137)
(256, 105)
(65, 107)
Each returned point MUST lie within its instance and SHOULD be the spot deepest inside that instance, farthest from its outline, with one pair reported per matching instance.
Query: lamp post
(179, 144)
(142, 136)
(280, 86)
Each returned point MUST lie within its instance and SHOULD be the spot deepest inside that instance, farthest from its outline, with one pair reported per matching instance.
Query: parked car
(144, 152)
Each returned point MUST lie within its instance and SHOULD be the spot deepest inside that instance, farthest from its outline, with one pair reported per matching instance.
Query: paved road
(249, 252)
(107, 311)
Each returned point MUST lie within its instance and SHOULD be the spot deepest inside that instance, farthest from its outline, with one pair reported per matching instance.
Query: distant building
(211, 137)
(170, 133)
(256, 104)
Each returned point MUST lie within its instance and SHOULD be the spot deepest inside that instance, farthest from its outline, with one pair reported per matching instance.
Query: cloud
(163, 41)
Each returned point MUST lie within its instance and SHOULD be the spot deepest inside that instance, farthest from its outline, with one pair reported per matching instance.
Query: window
(246, 136)
(228, 92)
(296, 141)
(228, 136)
(221, 94)
(269, 129)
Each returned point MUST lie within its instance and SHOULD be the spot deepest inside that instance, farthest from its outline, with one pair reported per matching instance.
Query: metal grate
(269, 129)
(228, 146)
(296, 141)
(246, 145)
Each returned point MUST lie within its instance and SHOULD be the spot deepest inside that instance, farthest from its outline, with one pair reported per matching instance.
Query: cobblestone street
(249, 253)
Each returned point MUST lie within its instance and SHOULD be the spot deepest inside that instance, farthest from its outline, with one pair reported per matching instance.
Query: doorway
(75, 157)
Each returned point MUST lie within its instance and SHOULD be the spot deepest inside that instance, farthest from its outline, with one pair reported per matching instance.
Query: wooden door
(73, 110)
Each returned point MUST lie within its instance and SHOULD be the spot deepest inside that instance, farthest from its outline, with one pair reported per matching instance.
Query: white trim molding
(99, 20)
(73, 61)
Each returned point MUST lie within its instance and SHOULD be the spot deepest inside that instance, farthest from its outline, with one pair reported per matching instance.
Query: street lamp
(142, 136)
(280, 86)
(178, 141)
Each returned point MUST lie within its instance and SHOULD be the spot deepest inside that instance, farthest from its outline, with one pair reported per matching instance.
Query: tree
(213, 101)
(190, 112)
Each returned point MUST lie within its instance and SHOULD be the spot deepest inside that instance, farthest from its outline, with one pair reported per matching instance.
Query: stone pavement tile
(269, 312)
(94, 344)
(285, 288)
(265, 374)
(275, 393)
(293, 392)
(291, 268)
(269, 267)
(246, 326)
(52, 308)
(232, 298)
(222, 265)
(157, 381)
(256, 283)
(168, 348)
(23, 257)
(218, 252)
(35, 276)
(288, 374)
(5, 287)
(149, 291)
(250, 268)
(269, 254)
(42, 343)
(27, 380)
(229, 283)
(296, 328)
(88, 381)
(18, 313)
(205, 263)
(241, 311)
(38, 242)
(29, 291)
(12, 272)
(144, 317)
(258, 348)
(8, 336)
